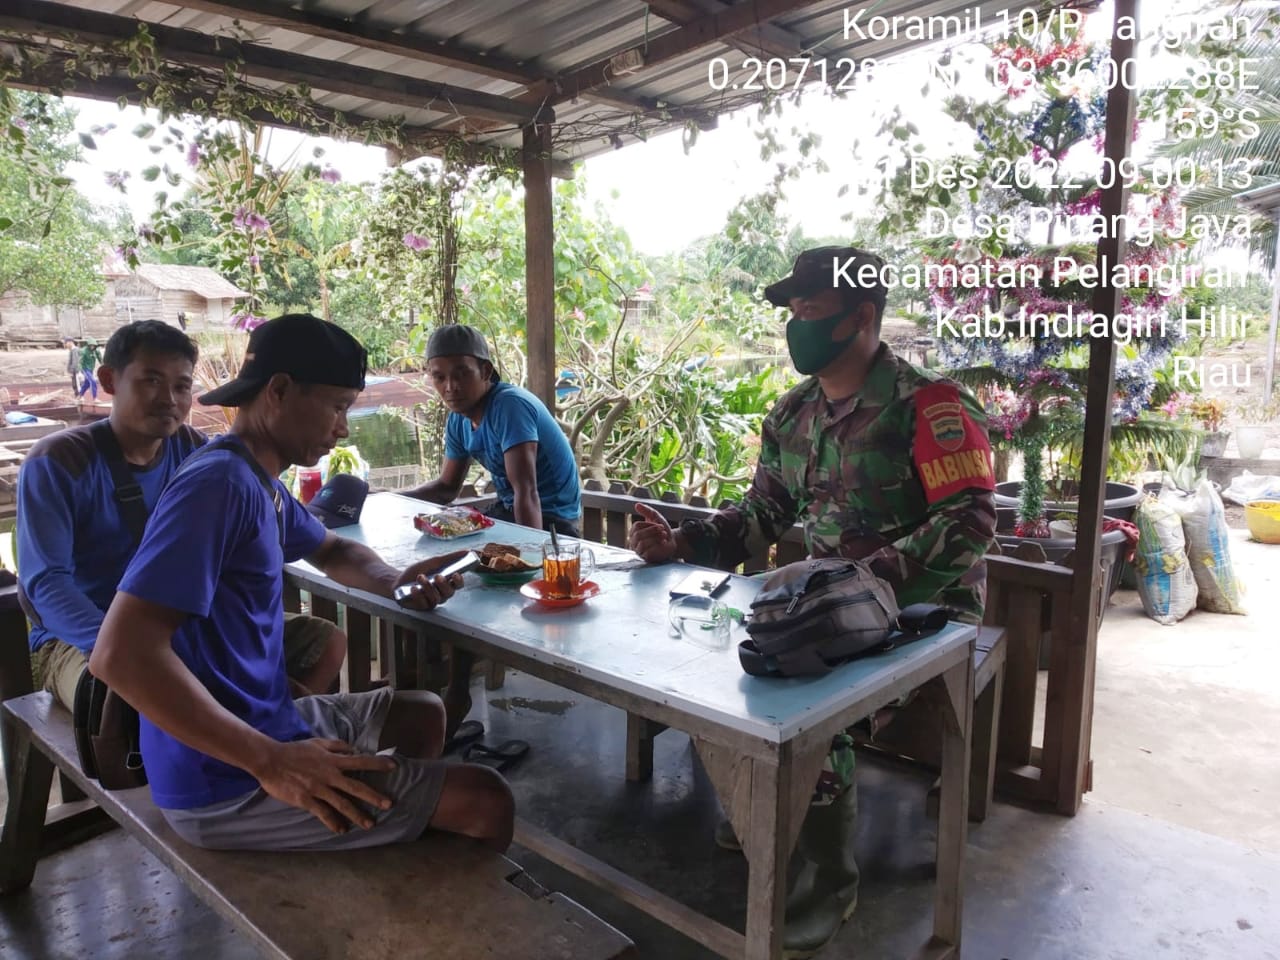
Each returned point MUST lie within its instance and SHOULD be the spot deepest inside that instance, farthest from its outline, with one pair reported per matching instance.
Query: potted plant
(1251, 434)
(1211, 412)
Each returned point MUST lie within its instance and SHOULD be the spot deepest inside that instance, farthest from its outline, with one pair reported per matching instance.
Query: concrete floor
(1176, 853)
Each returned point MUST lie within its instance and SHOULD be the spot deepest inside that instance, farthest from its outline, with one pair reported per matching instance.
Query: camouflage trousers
(837, 772)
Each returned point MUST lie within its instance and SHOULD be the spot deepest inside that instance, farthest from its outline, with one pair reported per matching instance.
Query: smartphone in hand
(465, 562)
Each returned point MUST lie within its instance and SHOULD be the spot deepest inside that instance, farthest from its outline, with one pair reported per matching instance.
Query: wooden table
(762, 741)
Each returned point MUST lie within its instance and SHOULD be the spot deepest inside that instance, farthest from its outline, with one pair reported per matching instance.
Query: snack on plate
(504, 558)
(452, 522)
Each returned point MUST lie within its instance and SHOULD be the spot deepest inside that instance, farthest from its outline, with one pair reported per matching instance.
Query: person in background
(90, 357)
(73, 365)
(506, 428)
(193, 639)
(515, 438)
(73, 540)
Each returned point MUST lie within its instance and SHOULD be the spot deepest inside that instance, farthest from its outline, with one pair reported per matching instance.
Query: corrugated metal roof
(204, 281)
(481, 70)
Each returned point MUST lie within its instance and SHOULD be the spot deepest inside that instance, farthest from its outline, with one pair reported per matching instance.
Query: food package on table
(452, 522)
(1208, 545)
(1165, 581)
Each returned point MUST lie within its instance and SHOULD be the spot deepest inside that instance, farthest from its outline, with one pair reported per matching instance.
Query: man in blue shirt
(507, 429)
(74, 538)
(515, 438)
(193, 638)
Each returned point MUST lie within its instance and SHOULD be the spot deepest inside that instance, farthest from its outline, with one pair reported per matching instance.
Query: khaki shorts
(56, 666)
(258, 821)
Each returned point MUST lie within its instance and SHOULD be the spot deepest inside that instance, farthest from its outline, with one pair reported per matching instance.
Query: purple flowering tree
(1010, 281)
(228, 178)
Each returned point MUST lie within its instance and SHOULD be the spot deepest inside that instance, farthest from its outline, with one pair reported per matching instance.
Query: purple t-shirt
(212, 549)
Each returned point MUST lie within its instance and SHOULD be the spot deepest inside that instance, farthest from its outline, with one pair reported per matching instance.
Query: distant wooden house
(159, 291)
(638, 307)
(155, 291)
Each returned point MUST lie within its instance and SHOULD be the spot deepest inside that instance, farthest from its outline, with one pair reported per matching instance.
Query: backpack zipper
(759, 627)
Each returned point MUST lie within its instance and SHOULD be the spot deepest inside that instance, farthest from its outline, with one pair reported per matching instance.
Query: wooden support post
(292, 599)
(1018, 711)
(953, 809)
(615, 532)
(29, 776)
(359, 650)
(539, 263)
(1082, 631)
(640, 734)
(593, 517)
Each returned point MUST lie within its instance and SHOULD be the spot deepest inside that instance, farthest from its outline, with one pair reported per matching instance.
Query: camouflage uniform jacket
(898, 475)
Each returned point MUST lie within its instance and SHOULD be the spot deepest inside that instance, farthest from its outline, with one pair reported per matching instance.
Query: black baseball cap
(308, 349)
(459, 340)
(339, 502)
(837, 267)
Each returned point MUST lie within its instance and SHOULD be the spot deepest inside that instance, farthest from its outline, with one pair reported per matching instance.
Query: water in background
(384, 439)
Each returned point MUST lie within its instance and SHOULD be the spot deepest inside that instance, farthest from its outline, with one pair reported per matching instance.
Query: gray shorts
(257, 821)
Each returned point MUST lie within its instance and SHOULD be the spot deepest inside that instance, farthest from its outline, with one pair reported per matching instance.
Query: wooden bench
(441, 896)
(74, 819)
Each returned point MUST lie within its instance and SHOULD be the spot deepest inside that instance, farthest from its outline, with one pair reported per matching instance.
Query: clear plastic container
(700, 620)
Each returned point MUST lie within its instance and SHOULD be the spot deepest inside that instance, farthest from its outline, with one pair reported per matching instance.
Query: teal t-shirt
(514, 416)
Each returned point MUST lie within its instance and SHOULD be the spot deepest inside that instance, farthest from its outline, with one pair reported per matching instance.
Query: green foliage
(1230, 132)
(705, 417)
(51, 241)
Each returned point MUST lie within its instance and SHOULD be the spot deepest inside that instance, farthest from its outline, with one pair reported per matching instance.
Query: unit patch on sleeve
(951, 452)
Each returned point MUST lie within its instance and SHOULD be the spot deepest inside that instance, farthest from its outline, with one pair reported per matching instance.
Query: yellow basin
(1263, 518)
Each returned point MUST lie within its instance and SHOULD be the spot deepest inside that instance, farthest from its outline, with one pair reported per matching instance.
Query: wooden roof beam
(415, 46)
(708, 29)
(53, 76)
(769, 39)
(39, 18)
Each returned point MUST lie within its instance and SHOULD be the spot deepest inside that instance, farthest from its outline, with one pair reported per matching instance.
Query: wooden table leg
(767, 844)
(640, 734)
(30, 776)
(953, 819)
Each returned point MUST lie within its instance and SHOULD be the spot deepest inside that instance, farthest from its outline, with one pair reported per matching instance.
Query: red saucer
(535, 590)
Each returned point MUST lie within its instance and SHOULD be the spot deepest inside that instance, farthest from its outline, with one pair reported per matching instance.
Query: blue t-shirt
(513, 416)
(72, 542)
(212, 549)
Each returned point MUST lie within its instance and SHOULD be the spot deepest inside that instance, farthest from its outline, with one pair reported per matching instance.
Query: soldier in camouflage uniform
(879, 461)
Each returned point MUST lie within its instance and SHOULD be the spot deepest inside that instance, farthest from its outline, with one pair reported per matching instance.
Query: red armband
(951, 452)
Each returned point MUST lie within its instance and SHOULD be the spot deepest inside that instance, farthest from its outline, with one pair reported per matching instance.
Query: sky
(663, 196)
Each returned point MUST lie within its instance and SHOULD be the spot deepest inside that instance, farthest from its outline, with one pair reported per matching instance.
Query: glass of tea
(566, 565)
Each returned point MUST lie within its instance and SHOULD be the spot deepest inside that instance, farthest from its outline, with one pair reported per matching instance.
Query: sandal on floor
(468, 732)
(500, 757)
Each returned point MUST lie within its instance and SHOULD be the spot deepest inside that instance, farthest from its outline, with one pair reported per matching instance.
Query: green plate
(515, 576)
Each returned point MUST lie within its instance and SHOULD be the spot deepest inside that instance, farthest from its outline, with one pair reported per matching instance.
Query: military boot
(825, 893)
(805, 870)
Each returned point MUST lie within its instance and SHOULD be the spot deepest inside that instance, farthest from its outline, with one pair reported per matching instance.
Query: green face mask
(810, 343)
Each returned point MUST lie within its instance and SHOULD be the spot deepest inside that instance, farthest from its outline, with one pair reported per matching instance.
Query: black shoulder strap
(128, 492)
(234, 446)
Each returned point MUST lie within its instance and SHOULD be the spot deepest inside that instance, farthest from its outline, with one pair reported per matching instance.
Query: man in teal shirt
(515, 438)
(506, 428)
